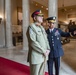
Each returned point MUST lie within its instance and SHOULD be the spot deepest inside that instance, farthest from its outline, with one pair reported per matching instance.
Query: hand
(46, 53)
(74, 32)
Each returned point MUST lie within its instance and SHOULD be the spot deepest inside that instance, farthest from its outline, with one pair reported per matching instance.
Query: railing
(17, 34)
(16, 28)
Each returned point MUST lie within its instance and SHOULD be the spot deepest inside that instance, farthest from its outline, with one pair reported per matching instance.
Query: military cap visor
(51, 19)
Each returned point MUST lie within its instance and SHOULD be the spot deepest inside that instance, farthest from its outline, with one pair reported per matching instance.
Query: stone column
(53, 9)
(26, 20)
(8, 24)
(2, 26)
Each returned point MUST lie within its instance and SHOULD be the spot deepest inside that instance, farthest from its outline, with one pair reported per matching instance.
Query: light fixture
(46, 8)
(63, 7)
(41, 6)
(36, 4)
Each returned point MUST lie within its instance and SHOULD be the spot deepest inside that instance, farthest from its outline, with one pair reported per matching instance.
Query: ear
(35, 18)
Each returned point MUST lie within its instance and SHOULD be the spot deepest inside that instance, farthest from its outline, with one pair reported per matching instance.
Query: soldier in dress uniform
(56, 50)
(39, 46)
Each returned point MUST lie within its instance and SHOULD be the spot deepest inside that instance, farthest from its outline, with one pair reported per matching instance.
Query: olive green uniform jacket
(38, 44)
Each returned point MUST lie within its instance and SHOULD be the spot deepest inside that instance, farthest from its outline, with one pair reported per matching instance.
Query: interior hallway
(18, 55)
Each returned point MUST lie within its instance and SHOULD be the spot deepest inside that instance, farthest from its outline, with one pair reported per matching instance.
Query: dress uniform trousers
(37, 69)
(57, 65)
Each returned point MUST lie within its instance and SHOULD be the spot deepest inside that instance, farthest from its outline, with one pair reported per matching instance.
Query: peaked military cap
(37, 12)
(51, 19)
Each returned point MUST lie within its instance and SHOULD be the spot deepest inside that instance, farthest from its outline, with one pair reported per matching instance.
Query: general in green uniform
(39, 46)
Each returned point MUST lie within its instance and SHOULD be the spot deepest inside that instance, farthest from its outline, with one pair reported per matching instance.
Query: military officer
(54, 36)
(39, 46)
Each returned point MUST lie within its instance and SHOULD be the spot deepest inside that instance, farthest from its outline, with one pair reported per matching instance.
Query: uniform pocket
(39, 33)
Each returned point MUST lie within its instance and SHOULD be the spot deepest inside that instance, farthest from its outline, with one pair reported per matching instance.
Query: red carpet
(8, 67)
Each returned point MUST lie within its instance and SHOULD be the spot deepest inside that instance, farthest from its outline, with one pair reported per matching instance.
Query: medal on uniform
(57, 38)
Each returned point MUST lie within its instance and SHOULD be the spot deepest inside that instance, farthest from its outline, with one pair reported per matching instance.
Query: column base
(25, 48)
(12, 47)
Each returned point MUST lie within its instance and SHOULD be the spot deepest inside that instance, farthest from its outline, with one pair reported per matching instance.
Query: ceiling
(63, 5)
(66, 3)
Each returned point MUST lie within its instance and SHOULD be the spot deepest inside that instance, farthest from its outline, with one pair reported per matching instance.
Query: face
(44, 22)
(39, 19)
(51, 24)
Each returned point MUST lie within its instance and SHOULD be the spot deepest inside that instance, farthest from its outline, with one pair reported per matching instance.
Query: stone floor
(68, 61)
(70, 54)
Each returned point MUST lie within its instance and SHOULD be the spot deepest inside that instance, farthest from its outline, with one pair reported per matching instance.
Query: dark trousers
(56, 62)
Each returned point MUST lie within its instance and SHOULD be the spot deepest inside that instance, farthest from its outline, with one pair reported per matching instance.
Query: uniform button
(52, 39)
(52, 36)
(53, 44)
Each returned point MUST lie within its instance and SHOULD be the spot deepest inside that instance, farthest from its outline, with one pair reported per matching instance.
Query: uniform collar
(51, 29)
(37, 24)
